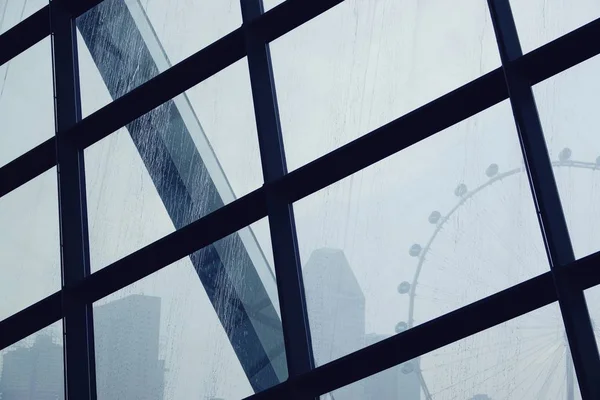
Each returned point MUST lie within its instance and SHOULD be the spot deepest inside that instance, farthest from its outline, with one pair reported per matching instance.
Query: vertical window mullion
(74, 242)
(559, 249)
(288, 270)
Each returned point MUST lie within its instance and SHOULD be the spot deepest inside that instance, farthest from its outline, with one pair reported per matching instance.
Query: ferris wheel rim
(443, 219)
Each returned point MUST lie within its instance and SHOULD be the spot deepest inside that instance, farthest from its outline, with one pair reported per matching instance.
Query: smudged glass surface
(132, 41)
(14, 11)
(204, 327)
(365, 63)
(541, 21)
(29, 244)
(592, 297)
(566, 106)
(170, 167)
(524, 358)
(426, 231)
(26, 101)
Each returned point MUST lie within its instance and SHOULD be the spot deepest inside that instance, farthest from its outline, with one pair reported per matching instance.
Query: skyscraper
(336, 309)
(126, 334)
(127, 359)
(33, 373)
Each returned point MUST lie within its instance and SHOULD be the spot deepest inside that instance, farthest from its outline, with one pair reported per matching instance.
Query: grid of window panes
(299, 199)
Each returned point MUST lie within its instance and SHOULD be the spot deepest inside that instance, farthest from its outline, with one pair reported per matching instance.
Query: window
(331, 198)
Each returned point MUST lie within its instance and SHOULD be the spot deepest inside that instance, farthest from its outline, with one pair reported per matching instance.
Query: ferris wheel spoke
(508, 248)
(480, 260)
(503, 365)
(491, 368)
(521, 262)
(521, 356)
(545, 385)
(544, 341)
(452, 274)
(483, 266)
(520, 370)
(562, 387)
(550, 357)
(519, 340)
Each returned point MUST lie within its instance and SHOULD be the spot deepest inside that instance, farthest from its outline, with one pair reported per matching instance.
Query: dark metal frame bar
(575, 315)
(565, 282)
(290, 287)
(78, 328)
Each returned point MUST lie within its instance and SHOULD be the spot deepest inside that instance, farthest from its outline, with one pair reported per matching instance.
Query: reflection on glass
(29, 244)
(365, 63)
(570, 121)
(437, 226)
(14, 11)
(541, 21)
(171, 166)
(204, 327)
(525, 358)
(26, 100)
(33, 368)
(132, 41)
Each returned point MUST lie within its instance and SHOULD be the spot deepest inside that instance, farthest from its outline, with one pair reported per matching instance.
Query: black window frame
(563, 283)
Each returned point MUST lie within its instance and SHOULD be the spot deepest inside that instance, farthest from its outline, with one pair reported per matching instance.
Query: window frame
(564, 282)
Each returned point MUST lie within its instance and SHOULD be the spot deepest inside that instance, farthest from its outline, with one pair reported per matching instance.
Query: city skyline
(128, 366)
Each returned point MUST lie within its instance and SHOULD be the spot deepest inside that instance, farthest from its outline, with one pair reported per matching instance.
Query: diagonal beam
(190, 182)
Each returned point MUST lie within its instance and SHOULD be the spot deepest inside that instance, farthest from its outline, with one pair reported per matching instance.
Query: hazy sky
(349, 71)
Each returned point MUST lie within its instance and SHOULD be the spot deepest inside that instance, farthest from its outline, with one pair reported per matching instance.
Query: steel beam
(191, 184)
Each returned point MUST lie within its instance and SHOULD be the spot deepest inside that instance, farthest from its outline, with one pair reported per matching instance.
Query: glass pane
(541, 21)
(566, 104)
(132, 41)
(525, 358)
(437, 226)
(26, 101)
(365, 63)
(592, 297)
(14, 11)
(33, 368)
(204, 327)
(171, 166)
(29, 244)
(268, 4)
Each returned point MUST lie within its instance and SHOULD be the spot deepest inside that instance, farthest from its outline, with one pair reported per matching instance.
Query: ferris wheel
(472, 252)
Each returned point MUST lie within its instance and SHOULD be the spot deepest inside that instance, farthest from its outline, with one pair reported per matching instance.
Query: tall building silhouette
(33, 373)
(126, 334)
(336, 309)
